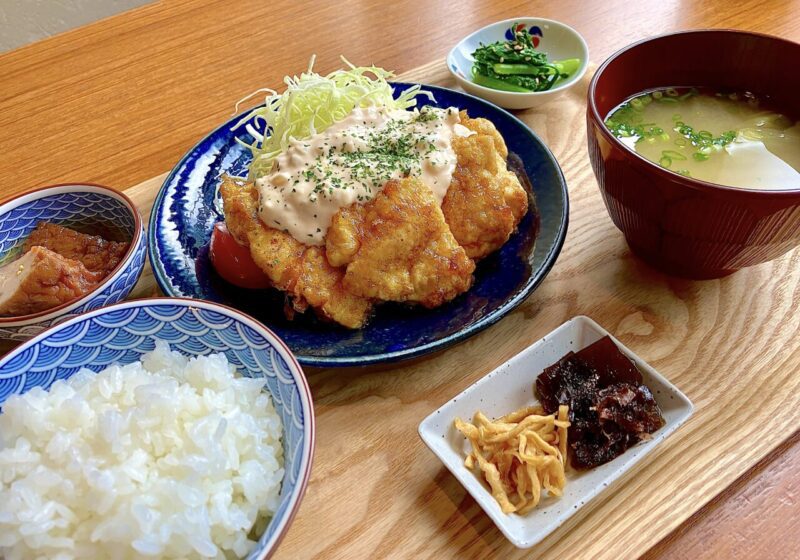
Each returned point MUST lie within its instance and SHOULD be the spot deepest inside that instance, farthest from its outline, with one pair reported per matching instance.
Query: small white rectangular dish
(510, 387)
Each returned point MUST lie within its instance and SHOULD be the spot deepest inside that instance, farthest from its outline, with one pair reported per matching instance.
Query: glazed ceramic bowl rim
(307, 401)
(526, 94)
(649, 166)
(60, 188)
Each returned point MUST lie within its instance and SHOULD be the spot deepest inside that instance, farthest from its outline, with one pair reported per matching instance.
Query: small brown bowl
(684, 226)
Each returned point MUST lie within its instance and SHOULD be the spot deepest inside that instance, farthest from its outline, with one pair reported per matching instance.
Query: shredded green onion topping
(627, 122)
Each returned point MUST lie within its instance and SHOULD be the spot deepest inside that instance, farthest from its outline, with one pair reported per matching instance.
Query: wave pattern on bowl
(123, 334)
(72, 205)
(116, 291)
(18, 223)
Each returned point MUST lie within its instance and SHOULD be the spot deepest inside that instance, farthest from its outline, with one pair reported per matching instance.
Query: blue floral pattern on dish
(123, 332)
(535, 31)
(71, 205)
(188, 205)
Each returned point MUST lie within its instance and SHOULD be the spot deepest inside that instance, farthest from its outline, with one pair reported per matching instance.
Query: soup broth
(728, 139)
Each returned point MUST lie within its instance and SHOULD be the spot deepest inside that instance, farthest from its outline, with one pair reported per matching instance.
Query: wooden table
(119, 101)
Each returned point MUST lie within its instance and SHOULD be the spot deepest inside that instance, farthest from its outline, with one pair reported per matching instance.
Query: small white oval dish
(510, 387)
(558, 40)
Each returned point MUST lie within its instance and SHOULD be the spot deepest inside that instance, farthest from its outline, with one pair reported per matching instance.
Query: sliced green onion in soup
(672, 154)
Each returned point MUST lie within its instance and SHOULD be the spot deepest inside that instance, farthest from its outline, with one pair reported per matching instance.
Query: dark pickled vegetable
(628, 408)
(609, 408)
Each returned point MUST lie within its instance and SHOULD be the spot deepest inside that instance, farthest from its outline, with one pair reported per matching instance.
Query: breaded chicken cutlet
(399, 246)
(301, 271)
(485, 201)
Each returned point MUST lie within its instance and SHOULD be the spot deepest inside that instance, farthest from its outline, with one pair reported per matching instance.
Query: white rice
(163, 458)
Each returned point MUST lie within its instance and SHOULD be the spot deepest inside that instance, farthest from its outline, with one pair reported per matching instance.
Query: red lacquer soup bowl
(684, 226)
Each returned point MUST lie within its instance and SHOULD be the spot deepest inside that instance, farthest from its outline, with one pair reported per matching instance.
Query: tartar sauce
(352, 160)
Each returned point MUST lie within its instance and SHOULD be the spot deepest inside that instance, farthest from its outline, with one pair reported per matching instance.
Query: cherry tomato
(233, 261)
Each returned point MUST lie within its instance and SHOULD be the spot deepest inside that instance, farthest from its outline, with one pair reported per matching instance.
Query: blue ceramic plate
(188, 206)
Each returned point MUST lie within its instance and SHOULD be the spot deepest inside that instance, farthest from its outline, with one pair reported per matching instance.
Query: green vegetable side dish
(517, 66)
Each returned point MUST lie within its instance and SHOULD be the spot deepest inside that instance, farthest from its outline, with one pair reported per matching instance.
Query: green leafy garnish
(516, 65)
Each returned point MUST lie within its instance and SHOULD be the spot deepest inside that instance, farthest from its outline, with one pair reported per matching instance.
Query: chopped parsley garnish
(372, 156)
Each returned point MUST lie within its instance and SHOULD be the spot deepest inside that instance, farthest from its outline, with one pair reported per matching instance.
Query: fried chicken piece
(96, 253)
(301, 271)
(397, 247)
(41, 280)
(275, 252)
(322, 286)
(485, 201)
(485, 127)
(401, 245)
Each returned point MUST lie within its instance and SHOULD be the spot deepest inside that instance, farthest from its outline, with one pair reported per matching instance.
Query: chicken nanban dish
(355, 198)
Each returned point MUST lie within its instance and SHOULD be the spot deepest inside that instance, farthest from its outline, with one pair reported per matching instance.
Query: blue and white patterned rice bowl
(121, 333)
(86, 205)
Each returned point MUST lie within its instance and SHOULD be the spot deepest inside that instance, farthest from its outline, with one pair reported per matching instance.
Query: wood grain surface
(733, 525)
(378, 491)
(119, 101)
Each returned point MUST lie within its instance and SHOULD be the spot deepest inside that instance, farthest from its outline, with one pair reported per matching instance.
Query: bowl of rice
(156, 428)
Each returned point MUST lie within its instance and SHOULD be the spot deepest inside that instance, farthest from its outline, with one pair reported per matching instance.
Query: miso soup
(723, 138)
